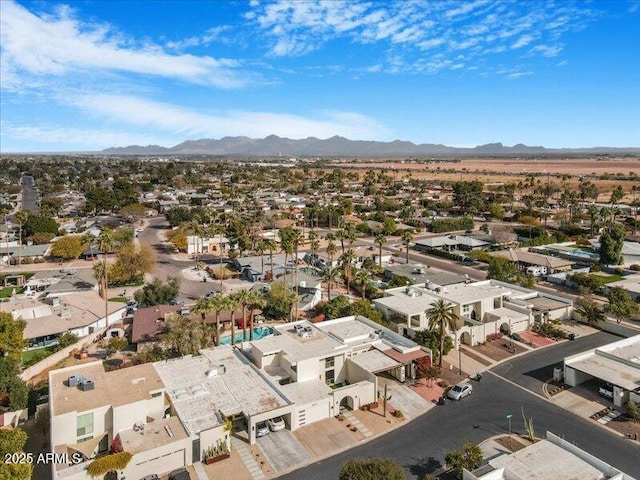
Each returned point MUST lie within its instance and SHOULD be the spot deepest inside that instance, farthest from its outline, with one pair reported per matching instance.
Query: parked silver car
(262, 429)
(459, 391)
(276, 424)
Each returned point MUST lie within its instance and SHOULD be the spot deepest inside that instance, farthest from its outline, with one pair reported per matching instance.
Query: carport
(376, 362)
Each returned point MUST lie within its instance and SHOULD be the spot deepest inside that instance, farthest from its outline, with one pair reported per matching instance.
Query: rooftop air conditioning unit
(86, 385)
(74, 380)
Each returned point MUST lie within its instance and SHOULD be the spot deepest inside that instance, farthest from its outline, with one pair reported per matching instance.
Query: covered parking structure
(616, 365)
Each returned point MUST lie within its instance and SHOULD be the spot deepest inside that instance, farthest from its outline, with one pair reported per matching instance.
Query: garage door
(163, 464)
(313, 412)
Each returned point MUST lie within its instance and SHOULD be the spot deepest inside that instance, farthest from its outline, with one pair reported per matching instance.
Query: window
(415, 321)
(330, 376)
(329, 362)
(85, 424)
(156, 394)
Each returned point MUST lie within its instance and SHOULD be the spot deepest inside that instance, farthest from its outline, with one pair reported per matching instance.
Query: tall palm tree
(287, 248)
(407, 238)
(380, 239)
(296, 239)
(362, 278)
(331, 250)
(255, 301)
(260, 248)
(232, 302)
(442, 317)
(330, 275)
(21, 218)
(198, 230)
(217, 305)
(347, 263)
(243, 299)
(105, 243)
(271, 246)
(313, 242)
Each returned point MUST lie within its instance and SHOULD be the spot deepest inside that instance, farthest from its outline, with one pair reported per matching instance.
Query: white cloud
(516, 75)
(409, 29)
(60, 44)
(179, 121)
(547, 50)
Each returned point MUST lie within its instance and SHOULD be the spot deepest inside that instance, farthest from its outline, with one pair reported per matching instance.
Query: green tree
(432, 340)
(371, 469)
(185, 336)
(468, 196)
(364, 309)
(621, 305)
(502, 269)
(157, 292)
(255, 301)
(497, 211)
(132, 263)
(13, 440)
(611, 242)
(18, 394)
(469, 457)
(11, 337)
(335, 308)
(67, 339)
(589, 311)
(362, 279)
(279, 301)
(441, 317)
(68, 247)
(133, 212)
(39, 224)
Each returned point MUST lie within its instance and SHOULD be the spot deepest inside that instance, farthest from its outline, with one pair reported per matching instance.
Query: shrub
(516, 337)
(494, 336)
(397, 414)
(633, 410)
(109, 463)
(117, 343)
(371, 469)
(635, 267)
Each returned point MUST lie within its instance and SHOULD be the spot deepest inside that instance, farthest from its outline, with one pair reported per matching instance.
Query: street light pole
(459, 355)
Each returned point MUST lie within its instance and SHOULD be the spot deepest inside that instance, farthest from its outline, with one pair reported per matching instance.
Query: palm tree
(202, 306)
(270, 245)
(255, 301)
(243, 299)
(88, 239)
(347, 262)
(330, 275)
(362, 278)
(296, 239)
(217, 305)
(313, 242)
(380, 239)
(590, 312)
(287, 248)
(442, 317)
(261, 247)
(198, 230)
(21, 218)
(232, 302)
(331, 250)
(592, 210)
(407, 238)
(105, 243)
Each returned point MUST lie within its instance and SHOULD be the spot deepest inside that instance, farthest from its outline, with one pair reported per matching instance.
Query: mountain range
(340, 146)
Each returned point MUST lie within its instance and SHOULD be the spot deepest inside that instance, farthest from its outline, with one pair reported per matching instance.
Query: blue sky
(90, 75)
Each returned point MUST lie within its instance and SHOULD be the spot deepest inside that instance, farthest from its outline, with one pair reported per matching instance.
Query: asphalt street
(168, 266)
(420, 446)
(533, 369)
(30, 195)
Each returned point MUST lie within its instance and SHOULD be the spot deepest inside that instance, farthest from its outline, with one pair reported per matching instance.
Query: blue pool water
(258, 333)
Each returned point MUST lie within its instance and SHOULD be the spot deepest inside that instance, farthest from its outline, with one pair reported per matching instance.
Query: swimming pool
(258, 333)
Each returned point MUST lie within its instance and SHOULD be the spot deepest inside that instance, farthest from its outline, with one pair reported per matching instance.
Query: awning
(375, 361)
(88, 448)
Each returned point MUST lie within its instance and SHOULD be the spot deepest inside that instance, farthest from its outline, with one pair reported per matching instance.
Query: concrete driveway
(283, 450)
(403, 398)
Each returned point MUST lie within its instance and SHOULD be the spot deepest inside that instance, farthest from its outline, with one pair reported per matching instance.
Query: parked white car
(262, 429)
(459, 391)
(276, 424)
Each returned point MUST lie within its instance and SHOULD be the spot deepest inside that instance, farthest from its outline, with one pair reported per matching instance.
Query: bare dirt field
(506, 170)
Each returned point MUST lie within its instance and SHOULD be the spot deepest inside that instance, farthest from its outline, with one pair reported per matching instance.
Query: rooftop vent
(74, 380)
(136, 381)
